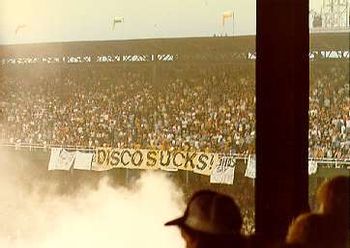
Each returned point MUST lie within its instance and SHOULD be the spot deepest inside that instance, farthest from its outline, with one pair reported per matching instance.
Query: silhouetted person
(329, 226)
(333, 198)
(211, 219)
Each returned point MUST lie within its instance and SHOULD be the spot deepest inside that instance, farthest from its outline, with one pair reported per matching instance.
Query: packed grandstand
(211, 109)
(205, 102)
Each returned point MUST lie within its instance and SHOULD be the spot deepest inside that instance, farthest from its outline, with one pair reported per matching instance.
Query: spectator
(330, 226)
(211, 220)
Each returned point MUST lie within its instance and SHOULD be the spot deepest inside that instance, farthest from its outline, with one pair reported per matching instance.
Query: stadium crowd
(329, 123)
(210, 110)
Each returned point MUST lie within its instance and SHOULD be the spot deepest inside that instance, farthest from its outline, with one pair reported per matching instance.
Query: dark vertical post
(282, 88)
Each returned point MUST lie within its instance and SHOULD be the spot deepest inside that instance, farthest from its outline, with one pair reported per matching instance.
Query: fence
(326, 162)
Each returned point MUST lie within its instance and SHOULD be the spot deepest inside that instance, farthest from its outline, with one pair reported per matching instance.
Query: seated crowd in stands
(211, 110)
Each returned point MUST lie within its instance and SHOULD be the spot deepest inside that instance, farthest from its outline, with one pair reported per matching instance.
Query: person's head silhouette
(211, 219)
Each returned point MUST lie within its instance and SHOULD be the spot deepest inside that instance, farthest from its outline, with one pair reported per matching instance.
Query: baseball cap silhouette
(210, 212)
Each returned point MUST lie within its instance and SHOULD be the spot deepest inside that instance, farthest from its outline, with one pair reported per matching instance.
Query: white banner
(65, 160)
(83, 161)
(251, 167)
(312, 167)
(60, 159)
(55, 153)
(225, 172)
(107, 158)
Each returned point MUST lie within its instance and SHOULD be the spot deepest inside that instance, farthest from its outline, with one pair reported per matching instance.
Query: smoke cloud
(33, 215)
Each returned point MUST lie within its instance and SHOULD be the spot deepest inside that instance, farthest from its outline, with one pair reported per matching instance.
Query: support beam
(282, 84)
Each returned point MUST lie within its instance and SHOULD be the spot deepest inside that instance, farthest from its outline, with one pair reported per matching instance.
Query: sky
(36, 21)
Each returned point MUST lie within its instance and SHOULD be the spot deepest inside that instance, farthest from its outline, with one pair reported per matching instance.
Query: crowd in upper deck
(209, 110)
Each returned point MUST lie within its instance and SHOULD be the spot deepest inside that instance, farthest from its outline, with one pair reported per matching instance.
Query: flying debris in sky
(156, 26)
(227, 15)
(117, 20)
(19, 27)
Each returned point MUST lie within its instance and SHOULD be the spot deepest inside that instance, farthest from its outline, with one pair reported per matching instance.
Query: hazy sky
(71, 20)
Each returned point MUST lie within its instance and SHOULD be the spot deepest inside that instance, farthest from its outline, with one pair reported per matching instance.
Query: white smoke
(103, 217)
